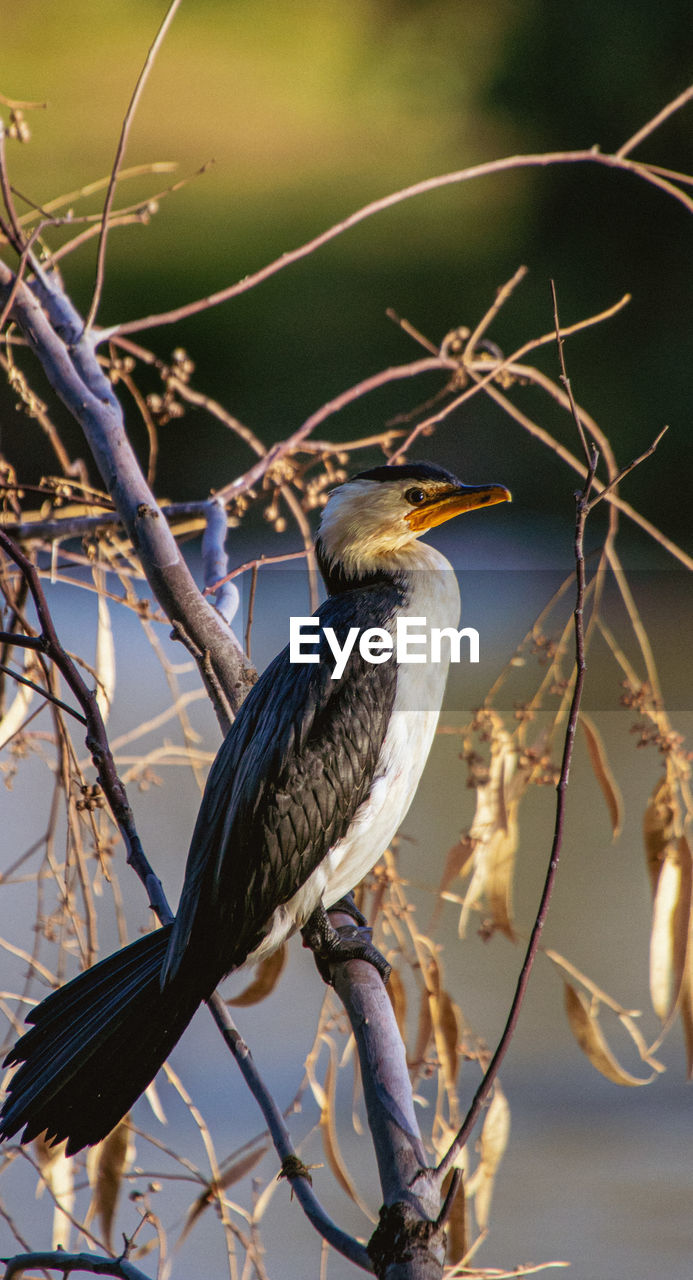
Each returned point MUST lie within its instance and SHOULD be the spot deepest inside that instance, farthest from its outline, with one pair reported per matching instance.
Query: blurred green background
(309, 110)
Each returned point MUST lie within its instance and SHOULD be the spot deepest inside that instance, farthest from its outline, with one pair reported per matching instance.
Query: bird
(308, 788)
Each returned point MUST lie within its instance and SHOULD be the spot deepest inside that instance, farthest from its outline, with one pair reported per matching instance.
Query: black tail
(95, 1045)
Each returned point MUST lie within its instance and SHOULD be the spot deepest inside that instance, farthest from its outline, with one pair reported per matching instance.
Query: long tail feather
(95, 1045)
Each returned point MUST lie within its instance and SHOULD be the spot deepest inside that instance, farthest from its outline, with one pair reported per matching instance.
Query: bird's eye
(415, 496)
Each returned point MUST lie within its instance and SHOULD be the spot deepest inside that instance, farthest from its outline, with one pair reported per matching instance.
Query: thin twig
(484, 376)
(482, 1093)
(540, 433)
(394, 374)
(626, 470)
(500, 299)
(300, 1179)
(488, 169)
(12, 230)
(251, 609)
(31, 684)
(97, 739)
(655, 122)
(566, 380)
(257, 563)
(120, 151)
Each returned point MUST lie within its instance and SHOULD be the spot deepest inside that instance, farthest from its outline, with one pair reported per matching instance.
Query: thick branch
(58, 1260)
(73, 371)
(409, 1242)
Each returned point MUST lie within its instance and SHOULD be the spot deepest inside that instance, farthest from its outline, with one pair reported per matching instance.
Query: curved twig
(120, 151)
(616, 161)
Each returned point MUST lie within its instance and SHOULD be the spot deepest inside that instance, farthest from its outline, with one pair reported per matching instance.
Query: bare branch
(483, 1092)
(294, 1169)
(373, 383)
(97, 739)
(582, 511)
(120, 151)
(675, 105)
(74, 372)
(411, 1191)
(215, 562)
(566, 380)
(31, 684)
(604, 493)
(490, 168)
(59, 1260)
(11, 229)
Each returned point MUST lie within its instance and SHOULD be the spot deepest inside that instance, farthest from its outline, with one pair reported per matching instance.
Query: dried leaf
(493, 832)
(234, 1173)
(494, 1140)
(457, 1224)
(16, 712)
(424, 1030)
(602, 772)
(585, 1027)
(501, 868)
(109, 1161)
(328, 1129)
(432, 968)
(105, 662)
(263, 1200)
(659, 825)
(625, 1016)
(267, 975)
(447, 1037)
(152, 1096)
(687, 1018)
(457, 862)
(398, 999)
(356, 1092)
(670, 924)
(496, 1130)
(57, 1175)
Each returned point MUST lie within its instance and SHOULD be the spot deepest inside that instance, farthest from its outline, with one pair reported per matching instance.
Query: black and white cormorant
(307, 790)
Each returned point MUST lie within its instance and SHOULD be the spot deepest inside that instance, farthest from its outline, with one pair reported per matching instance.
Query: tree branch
(292, 1167)
(484, 1090)
(593, 156)
(73, 370)
(120, 152)
(58, 1260)
(97, 738)
(409, 1242)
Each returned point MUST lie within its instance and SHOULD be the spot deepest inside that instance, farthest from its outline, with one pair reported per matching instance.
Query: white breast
(420, 687)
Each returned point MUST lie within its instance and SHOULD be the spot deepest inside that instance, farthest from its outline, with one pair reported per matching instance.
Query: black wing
(298, 761)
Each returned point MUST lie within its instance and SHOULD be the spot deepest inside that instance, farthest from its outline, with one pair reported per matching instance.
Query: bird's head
(372, 520)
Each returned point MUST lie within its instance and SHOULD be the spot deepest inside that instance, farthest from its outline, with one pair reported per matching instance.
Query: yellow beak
(466, 498)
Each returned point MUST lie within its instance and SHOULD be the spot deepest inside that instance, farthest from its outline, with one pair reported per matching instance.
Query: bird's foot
(334, 946)
(348, 907)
